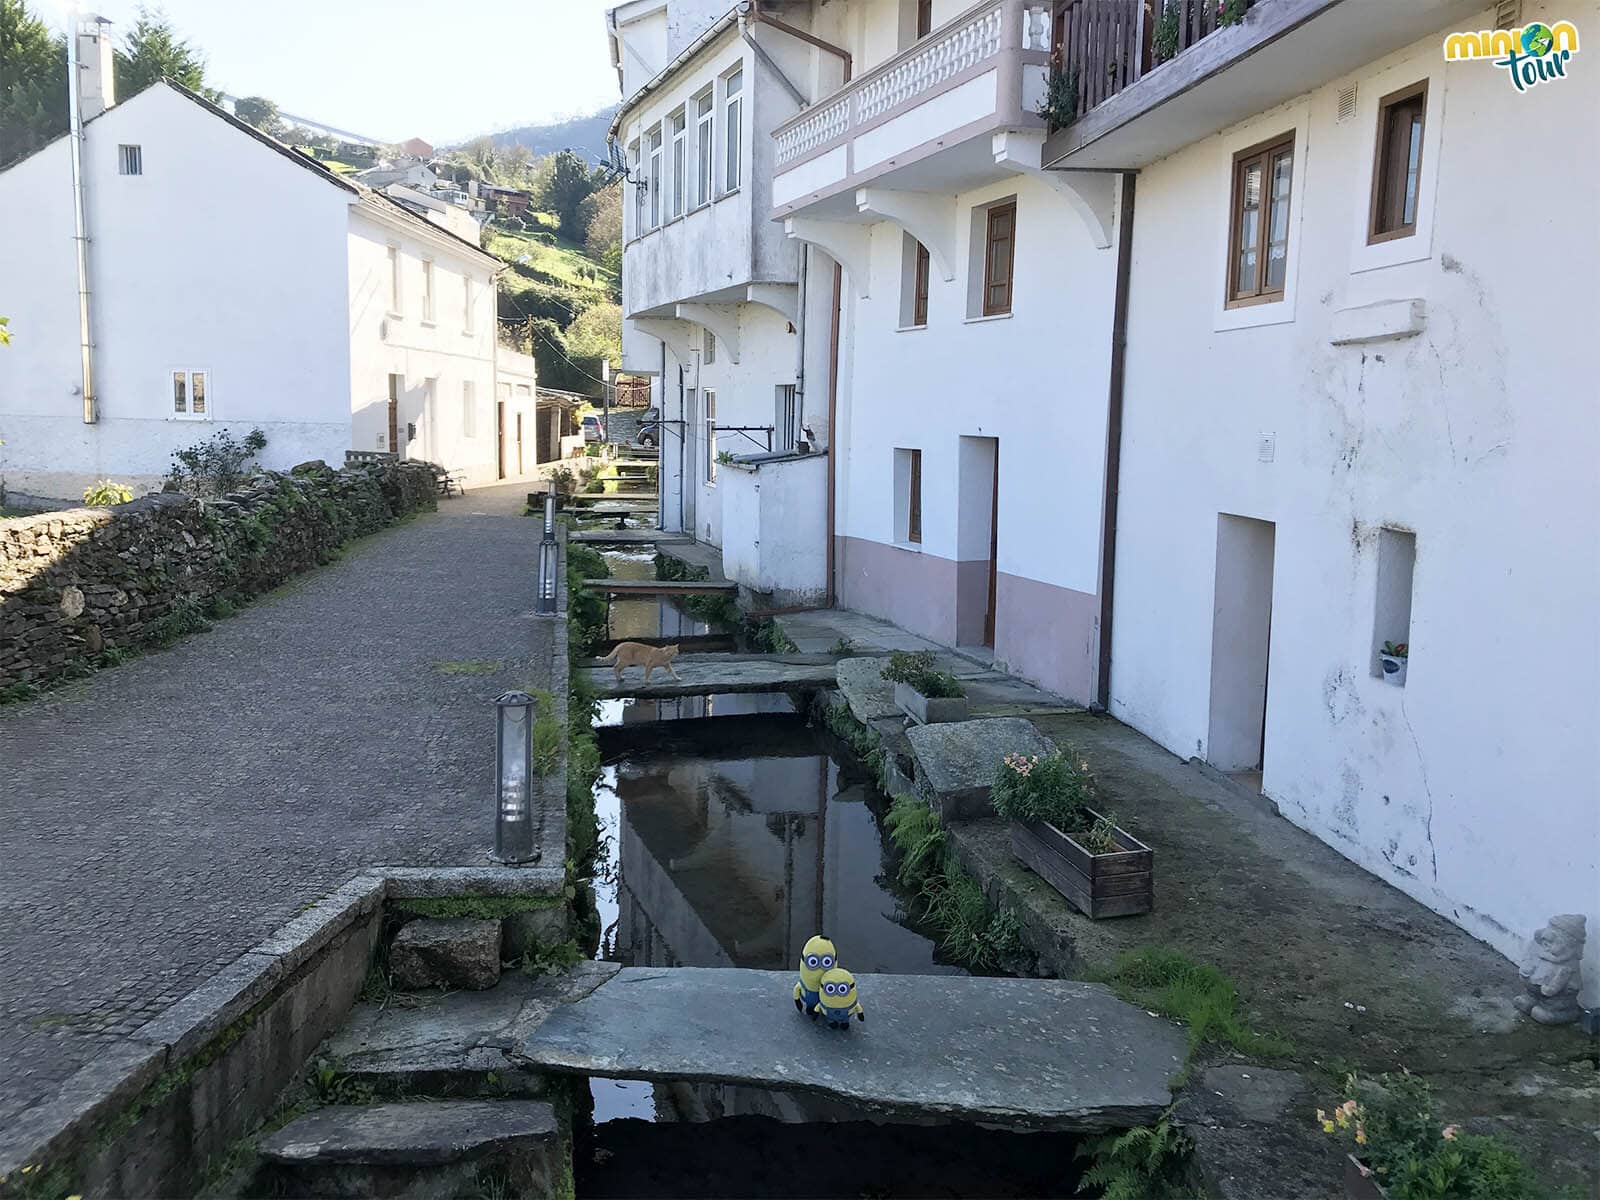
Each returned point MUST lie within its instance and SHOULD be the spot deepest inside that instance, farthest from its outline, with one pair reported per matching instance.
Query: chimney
(97, 79)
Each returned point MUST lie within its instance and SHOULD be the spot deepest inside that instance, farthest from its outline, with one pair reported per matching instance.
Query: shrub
(1390, 1124)
(215, 466)
(1057, 788)
(105, 493)
(915, 669)
(1148, 1163)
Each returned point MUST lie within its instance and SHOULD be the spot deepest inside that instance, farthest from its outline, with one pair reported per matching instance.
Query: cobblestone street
(159, 818)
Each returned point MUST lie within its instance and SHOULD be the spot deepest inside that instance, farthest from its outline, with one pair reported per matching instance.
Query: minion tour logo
(1533, 54)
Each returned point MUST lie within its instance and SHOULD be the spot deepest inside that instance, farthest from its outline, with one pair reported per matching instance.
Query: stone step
(430, 1150)
(452, 952)
(450, 1045)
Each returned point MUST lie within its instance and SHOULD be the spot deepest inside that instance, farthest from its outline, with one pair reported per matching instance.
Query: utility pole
(605, 393)
(79, 219)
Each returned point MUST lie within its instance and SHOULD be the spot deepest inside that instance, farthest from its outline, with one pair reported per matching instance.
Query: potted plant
(927, 696)
(1393, 659)
(1059, 107)
(1396, 1146)
(1056, 832)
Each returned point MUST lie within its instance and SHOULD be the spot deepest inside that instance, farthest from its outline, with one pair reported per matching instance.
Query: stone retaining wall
(79, 584)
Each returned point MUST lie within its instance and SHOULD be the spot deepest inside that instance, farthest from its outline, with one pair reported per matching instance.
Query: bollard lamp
(513, 751)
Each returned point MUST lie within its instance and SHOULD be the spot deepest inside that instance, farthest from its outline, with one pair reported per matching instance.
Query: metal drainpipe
(766, 61)
(80, 224)
(833, 421)
(799, 425)
(1119, 359)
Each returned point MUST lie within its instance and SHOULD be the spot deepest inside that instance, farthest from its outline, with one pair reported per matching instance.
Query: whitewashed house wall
(248, 286)
(1475, 787)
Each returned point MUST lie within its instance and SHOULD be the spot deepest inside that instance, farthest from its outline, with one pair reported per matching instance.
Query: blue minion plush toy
(839, 1002)
(816, 959)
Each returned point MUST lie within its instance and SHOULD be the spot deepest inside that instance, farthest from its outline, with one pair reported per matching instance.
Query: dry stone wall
(79, 588)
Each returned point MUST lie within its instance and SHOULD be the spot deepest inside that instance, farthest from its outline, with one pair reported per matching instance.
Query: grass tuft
(1199, 995)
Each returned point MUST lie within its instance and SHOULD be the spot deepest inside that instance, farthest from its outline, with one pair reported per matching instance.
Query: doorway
(1241, 643)
(689, 441)
(519, 445)
(500, 437)
(394, 415)
(977, 541)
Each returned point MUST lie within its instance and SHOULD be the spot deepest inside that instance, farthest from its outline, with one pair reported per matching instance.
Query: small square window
(190, 400)
(1397, 165)
(130, 160)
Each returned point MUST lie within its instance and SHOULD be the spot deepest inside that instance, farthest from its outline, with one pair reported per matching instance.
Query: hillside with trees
(585, 135)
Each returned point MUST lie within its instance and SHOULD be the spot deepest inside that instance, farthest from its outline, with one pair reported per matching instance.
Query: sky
(394, 69)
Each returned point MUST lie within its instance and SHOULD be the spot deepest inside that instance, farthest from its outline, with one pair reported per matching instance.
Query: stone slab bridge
(717, 675)
(1024, 1054)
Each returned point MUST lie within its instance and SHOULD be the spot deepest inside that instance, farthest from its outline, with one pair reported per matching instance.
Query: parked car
(649, 432)
(594, 429)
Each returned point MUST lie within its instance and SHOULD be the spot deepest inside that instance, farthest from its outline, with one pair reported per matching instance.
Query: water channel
(733, 832)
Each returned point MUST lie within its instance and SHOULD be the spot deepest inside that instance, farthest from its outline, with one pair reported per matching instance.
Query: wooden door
(500, 435)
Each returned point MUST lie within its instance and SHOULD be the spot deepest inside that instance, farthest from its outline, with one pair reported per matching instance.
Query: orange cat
(632, 654)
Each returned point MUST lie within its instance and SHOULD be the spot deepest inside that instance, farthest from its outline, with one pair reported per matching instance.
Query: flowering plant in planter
(1397, 1147)
(1099, 867)
(923, 694)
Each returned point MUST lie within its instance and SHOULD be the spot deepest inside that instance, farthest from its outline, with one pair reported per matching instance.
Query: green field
(564, 263)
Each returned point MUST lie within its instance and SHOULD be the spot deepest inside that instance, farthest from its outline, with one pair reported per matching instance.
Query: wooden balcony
(1135, 80)
(1103, 46)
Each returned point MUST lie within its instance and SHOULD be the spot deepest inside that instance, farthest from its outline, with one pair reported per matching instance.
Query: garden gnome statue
(1551, 972)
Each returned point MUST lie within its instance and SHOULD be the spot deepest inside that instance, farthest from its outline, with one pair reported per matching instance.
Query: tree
(261, 113)
(569, 187)
(596, 333)
(33, 82)
(602, 213)
(5, 334)
(152, 52)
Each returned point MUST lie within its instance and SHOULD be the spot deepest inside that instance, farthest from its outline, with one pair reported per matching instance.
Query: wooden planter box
(1358, 1186)
(1099, 885)
(929, 710)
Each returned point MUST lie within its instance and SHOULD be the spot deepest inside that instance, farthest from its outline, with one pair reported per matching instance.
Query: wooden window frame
(995, 210)
(922, 272)
(1266, 151)
(1401, 96)
(914, 499)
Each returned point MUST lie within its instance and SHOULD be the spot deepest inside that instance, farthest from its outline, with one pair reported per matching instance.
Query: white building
(729, 318)
(1351, 405)
(1374, 422)
(233, 284)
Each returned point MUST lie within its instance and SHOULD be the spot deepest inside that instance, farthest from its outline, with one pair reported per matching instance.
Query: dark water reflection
(731, 837)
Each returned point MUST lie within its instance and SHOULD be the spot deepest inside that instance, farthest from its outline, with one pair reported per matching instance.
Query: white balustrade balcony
(926, 116)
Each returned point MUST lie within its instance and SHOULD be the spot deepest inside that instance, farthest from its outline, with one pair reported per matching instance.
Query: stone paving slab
(717, 675)
(160, 819)
(1022, 1053)
(956, 761)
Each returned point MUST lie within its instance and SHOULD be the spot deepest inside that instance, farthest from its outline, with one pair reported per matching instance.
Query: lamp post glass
(513, 743)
